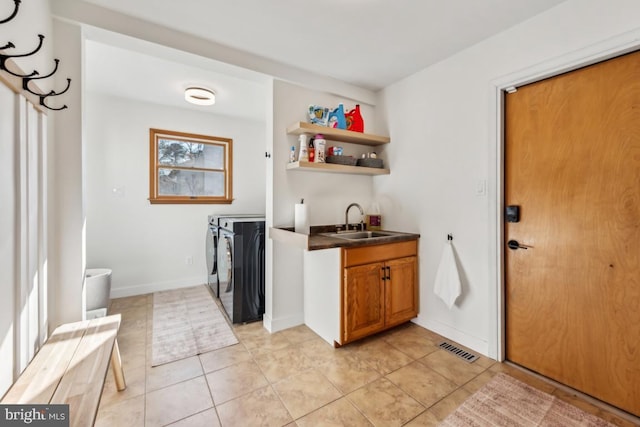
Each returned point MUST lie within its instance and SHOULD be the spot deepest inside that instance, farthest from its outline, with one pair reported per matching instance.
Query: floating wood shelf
(333, 168)
(331, 134)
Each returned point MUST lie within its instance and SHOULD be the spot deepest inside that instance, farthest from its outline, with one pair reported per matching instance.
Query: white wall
(146, 245)
(62, 231)
(9, 223)
(327, 196)
(24, 185)
(443, 145)
(23, 253)
(66, 181)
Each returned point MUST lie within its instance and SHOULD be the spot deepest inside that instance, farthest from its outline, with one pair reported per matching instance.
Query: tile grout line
(213, 402)
(449, 394)
(271, 384)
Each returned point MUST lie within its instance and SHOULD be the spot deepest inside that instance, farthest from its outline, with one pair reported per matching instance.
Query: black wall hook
(34, 75)
(42, 99)
(4, 58)
(449, 236)
(53, 93)
(15, 12)
(27, 79)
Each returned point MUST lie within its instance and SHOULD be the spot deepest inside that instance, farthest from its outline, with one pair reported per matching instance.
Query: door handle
(513, 244)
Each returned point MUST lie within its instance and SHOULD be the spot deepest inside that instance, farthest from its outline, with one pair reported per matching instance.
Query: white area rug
(187, 322)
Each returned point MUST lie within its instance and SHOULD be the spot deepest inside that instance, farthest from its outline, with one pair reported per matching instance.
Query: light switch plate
(481, 187)
(118, 192)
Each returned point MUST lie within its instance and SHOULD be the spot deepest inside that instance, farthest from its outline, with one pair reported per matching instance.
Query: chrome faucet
(346, 216)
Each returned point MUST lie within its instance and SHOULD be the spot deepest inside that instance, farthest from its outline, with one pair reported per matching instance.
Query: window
(188, 168)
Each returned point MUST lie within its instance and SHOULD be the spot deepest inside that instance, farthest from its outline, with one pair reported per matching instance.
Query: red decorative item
(354, 120)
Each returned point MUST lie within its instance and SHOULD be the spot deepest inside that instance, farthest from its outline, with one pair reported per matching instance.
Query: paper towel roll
(301, 219)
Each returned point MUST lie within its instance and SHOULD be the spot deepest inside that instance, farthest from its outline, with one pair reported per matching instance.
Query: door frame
(607, 49)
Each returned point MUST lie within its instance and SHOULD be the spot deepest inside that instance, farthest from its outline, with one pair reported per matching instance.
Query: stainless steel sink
(359, 235)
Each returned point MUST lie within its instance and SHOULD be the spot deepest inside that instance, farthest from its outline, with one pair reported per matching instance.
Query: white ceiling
(367, 43)
(130, 68)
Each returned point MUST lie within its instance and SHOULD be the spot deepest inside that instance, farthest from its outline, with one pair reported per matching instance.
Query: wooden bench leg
(116, 366)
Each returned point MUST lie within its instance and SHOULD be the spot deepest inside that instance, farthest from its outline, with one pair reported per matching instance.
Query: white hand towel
(447, 285)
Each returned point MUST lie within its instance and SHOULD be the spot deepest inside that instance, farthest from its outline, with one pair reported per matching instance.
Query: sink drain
(463, 354)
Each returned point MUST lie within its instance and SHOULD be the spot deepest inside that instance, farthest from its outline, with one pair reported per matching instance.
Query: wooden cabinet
(364, 300)
(379, 290)
(338, 135)
(401, 293)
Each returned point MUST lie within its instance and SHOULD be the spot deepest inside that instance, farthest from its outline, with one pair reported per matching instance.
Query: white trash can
(98, 291)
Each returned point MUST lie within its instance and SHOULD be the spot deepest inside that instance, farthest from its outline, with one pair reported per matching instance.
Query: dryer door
(212, 258)
(225, 272)
(225, 263)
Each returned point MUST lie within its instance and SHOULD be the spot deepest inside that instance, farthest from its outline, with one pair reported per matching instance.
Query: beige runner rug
(187, 322)
(505, 401)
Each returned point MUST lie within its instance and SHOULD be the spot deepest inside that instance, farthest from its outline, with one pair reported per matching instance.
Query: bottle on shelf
(337, 118)
(303, 155)
(320, 144)
(312, 150)
(354, 120)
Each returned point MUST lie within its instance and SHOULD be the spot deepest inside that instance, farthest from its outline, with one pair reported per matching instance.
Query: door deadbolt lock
(512, 213)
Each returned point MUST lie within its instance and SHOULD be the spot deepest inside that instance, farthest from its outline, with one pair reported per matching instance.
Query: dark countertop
(317, 241)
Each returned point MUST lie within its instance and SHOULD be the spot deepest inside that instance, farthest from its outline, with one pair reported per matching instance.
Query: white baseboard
(275, 325)
(266, 322)
(453, 334)
(147, 288)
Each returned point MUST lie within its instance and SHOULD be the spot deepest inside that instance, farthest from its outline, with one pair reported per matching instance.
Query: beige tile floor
(294, 378)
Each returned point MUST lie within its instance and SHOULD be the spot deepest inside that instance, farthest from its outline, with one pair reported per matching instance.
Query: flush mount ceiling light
(200, 96)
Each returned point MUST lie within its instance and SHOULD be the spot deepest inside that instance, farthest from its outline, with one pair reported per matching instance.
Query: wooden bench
(71, 368)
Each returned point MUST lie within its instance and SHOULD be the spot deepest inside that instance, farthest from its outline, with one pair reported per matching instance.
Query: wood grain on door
(572, 164)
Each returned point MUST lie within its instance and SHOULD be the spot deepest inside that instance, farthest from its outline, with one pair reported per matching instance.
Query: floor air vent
(465, 355)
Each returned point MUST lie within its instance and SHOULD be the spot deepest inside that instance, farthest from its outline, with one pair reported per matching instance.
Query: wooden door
(363, 300)
(401, 292)
(572, 164)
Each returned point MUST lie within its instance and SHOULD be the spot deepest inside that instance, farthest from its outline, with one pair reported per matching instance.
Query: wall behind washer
(156, 247)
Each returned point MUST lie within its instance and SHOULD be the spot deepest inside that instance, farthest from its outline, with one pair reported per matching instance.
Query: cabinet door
(401, 292)
(363, 305)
